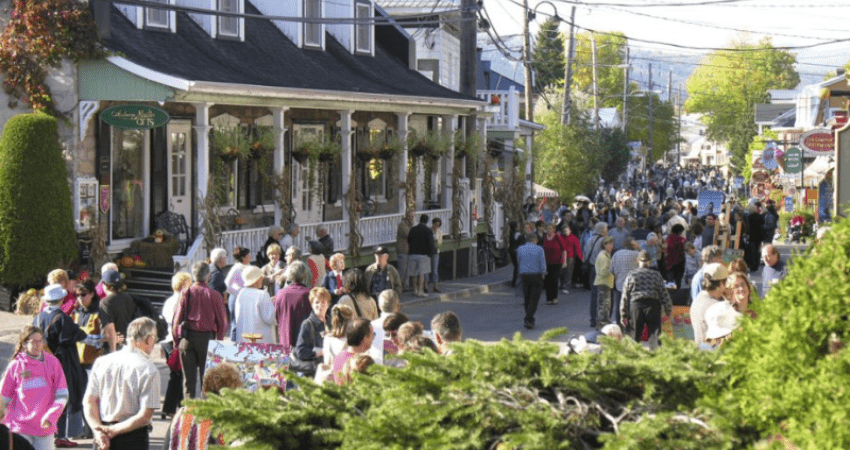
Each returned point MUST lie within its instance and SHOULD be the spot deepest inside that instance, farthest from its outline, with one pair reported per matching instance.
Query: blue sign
(738, 182)
(710, 202)
(789, 204)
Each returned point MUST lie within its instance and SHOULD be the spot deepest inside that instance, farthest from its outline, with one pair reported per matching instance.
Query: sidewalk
(463, 287)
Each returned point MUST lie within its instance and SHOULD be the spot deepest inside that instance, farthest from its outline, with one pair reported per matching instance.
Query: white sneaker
(566, 291)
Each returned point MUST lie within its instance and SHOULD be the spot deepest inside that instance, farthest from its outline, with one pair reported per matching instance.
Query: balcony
(504, 107)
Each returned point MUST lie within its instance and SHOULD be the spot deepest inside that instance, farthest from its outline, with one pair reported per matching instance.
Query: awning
(540, 191)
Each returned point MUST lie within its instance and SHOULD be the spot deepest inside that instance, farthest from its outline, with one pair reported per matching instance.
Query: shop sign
(138, 117)
(793, 160)
(818, 142)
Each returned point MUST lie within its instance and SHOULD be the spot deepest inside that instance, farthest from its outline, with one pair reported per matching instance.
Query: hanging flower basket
(326, 156)
(301, 155)
(365, 154)
(495, 100)
(420, 149)
(230, 143)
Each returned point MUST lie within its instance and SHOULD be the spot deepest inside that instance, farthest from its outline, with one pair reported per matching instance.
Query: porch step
(153, 284)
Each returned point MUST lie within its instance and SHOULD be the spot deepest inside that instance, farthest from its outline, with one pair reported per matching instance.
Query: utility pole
(595, 85)
(651, 150)
(568, 76)
(679, 125)
(626, 94)
(670, 87)
(468, 57)
(526, 60)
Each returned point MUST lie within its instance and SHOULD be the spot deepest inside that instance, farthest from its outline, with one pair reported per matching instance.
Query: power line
(421, 19)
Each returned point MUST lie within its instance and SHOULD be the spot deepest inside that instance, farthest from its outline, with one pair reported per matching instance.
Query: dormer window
(313, 30)
(228, 25)
(363, 29)
(156, 17)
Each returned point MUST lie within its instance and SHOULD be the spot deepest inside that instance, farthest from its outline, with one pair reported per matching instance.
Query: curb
(460, 293)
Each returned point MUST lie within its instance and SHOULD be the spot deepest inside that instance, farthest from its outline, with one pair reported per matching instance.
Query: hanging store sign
(818, 142)
(793, 160)
(137, 117)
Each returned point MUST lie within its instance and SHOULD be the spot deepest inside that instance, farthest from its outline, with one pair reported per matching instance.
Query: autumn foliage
(38, 36)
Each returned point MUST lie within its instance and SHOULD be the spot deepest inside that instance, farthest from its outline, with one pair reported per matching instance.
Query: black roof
(268, 58)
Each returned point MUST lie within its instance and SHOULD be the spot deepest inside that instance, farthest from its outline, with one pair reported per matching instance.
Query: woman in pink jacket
(33, 391)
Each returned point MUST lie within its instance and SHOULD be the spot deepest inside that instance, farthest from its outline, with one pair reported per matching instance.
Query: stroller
(795, 231)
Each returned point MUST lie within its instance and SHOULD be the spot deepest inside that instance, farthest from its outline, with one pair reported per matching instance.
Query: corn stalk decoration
(488, 184)
(354, 203)
(512, 194)
(210, 220)
(283, 186)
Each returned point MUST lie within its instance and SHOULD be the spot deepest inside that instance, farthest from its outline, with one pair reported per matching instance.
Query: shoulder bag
(307, 367)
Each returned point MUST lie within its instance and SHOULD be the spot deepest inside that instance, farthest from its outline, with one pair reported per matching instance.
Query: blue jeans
(435, 264)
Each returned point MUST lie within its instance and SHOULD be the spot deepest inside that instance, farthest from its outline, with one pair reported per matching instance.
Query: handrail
(194, 254)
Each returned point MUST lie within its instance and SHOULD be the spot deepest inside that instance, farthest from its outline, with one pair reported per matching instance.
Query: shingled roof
(268, 58)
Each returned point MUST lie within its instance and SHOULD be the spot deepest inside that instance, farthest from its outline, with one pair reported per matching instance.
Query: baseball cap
(715, 272)
(381, 250)
(111, 277)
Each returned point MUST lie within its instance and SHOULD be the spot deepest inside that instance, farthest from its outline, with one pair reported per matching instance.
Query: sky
(807, 27)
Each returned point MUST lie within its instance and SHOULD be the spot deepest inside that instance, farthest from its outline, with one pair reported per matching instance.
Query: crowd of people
(634, 243)
(84, 368)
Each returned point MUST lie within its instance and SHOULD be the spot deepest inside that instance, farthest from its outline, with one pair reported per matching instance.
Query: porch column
(403, 128)
(202, 131)
(450, 125)
(279, 126)
(345, 156)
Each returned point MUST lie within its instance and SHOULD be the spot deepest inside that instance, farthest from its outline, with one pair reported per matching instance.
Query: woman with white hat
(722, 320)
(253, 310)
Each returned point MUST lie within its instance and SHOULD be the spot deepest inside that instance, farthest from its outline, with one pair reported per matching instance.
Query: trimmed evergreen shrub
(36, 220)
(511, 395)
(789, 369)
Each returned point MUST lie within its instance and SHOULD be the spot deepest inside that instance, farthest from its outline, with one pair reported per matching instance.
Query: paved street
(488, 308)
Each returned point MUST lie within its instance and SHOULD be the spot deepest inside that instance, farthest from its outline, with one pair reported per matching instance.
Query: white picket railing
(506, 109)
(375, 230)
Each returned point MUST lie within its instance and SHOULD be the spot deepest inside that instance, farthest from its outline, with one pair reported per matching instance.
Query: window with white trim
(363, 30)
(228, 25)
(313, 30)
(156, 17)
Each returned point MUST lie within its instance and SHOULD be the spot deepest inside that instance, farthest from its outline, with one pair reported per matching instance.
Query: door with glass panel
(179, 159)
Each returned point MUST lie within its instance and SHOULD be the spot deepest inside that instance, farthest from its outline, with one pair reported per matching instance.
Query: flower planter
(300, 155)
(365, 156)
(386, 154)
(326, 157)
(228, 157)
(420, 150)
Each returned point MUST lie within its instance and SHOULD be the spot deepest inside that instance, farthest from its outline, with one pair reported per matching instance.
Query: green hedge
(37, 229)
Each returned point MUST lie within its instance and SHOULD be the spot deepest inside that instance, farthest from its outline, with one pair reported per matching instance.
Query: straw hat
(251, 275)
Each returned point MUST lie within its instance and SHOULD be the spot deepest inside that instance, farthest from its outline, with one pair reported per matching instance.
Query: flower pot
(228, 157)
(300, 155)
(420, 149)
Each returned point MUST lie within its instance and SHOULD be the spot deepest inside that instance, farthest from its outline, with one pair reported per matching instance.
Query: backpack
(144, 308)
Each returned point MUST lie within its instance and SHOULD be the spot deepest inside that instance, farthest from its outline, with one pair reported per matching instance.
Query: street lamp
(526, 50)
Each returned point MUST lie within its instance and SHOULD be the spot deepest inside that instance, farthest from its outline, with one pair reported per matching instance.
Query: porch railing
(507, 107)
(376, 230)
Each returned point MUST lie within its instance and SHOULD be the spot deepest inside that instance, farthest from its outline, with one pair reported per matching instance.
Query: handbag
(174, 362)
(307, 367)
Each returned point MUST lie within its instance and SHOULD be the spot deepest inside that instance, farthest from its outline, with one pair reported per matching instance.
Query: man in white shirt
(388, 304)
(123, 391)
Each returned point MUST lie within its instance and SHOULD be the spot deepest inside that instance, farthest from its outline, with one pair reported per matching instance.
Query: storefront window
(128, 184)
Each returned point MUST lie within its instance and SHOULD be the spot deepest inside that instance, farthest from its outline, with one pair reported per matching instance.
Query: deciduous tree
(729, 83)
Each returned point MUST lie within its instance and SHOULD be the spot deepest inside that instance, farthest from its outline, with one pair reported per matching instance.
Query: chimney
(101, 10)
